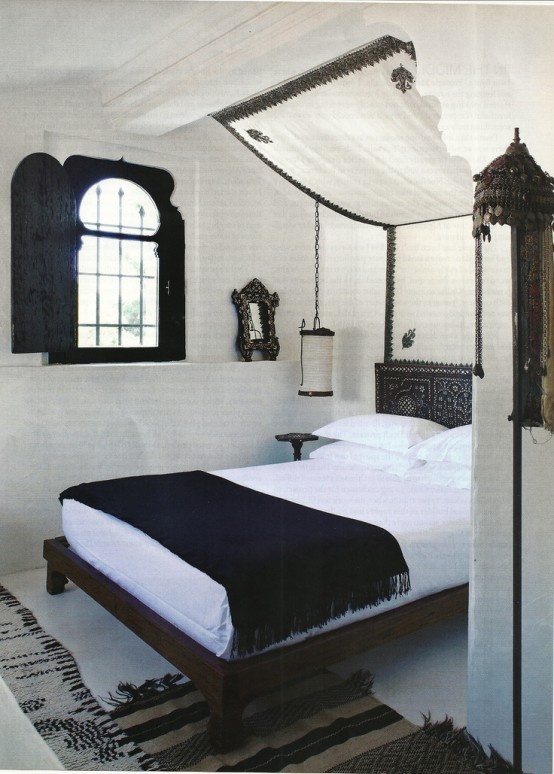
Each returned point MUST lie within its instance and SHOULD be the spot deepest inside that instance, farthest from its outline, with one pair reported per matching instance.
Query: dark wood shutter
(44, 280)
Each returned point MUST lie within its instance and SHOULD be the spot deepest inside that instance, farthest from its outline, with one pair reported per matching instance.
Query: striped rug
(316, 725)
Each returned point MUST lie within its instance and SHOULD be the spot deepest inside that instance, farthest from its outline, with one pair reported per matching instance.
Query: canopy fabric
(356, 135)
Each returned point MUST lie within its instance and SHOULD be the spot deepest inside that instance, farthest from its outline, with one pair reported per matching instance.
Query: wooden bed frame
(228, 686)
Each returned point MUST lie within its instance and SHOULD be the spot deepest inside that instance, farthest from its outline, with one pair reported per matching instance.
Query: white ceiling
(160, 64)
(76, 41)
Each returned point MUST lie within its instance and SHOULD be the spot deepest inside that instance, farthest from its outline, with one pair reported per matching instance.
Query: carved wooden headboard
(441, 393)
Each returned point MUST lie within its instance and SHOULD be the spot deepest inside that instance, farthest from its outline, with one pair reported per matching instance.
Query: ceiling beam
(193, 71)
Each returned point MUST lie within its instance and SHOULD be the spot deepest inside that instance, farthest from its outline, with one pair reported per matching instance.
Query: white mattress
(432, 525)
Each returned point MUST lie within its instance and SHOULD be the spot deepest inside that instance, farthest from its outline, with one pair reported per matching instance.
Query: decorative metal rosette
(513, 190)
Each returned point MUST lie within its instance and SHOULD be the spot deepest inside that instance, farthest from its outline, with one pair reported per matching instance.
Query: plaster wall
(64, 424)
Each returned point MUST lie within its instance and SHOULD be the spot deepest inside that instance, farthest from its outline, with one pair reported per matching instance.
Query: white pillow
(441, 474)
(454, 445)
(383, 431)
(371, 457)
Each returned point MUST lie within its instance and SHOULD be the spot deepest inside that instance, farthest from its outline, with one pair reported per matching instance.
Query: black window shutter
(43, 256)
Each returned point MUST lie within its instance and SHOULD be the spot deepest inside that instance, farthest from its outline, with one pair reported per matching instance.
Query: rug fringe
(126, 693)
(466, 746)
(362, 681)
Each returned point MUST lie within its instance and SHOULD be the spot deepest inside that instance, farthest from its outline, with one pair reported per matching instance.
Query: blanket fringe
(467, 747)
(126, 693)
(247, 641)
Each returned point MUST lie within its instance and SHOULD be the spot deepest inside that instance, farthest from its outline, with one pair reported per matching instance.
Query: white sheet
(432, 525)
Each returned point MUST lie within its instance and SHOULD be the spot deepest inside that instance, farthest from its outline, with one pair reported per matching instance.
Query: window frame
(46, 233)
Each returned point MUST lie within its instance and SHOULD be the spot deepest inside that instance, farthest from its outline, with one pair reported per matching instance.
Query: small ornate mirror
(256, 312)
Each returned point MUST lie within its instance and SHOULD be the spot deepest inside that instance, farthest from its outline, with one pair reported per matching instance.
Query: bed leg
(225, 727)
(55, 581)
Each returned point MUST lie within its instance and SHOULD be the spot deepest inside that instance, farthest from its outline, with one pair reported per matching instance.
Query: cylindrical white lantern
(316, 360)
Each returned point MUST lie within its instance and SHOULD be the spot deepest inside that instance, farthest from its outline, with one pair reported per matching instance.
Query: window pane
(86, 336)
(150, 260)
(131, 253)
(109, 300)
(150, 337)
(108, 336)
(131, 310)
(86, 293)
(115, 204)
(87, 255)
(150, 301)
(126, 303)
(108, 255)
(130, 336)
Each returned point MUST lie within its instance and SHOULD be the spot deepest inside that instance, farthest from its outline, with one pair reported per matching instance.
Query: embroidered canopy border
(356, 135)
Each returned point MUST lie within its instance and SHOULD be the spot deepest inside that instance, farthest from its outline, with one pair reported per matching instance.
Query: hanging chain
(317, 322)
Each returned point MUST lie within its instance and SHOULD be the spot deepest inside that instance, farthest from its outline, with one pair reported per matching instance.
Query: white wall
(65, 424)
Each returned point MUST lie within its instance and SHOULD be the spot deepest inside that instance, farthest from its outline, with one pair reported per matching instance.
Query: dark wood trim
(229, 686)
(43, 256)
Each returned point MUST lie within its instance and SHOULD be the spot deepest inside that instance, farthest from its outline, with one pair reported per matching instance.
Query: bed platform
(229, 685)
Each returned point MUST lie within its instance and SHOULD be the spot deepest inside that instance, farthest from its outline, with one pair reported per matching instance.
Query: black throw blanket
(285, 567)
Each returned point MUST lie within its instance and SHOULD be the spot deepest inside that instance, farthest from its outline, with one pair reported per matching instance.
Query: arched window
(117, 266)
(106, 282)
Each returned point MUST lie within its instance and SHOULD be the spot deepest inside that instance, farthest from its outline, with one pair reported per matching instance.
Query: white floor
(424, 673)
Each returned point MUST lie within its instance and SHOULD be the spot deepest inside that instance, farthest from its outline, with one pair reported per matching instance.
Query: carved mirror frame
(256, 319)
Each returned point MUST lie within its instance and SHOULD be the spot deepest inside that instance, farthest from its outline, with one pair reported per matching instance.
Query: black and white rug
(45, 680)
(321, 723)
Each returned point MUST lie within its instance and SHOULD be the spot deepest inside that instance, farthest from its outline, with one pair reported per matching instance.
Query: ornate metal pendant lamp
(316, 349)
(514, 190)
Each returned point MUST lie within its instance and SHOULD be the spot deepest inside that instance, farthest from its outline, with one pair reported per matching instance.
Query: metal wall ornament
(514, 190)
(316, 348)
(408, 338)
(403, 78)
(256, 320)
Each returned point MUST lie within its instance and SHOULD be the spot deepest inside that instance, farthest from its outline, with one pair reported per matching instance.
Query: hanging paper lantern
(316, 360)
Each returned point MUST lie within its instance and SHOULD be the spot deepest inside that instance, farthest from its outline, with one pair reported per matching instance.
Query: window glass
(114, 204)
(117, 271)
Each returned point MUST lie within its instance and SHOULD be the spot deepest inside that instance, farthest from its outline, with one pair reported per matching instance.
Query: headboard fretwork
(441, 393)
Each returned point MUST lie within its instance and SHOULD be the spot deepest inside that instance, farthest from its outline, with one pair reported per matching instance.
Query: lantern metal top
(513, 190)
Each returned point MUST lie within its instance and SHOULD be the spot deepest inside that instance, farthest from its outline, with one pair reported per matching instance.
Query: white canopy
(356, 135)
